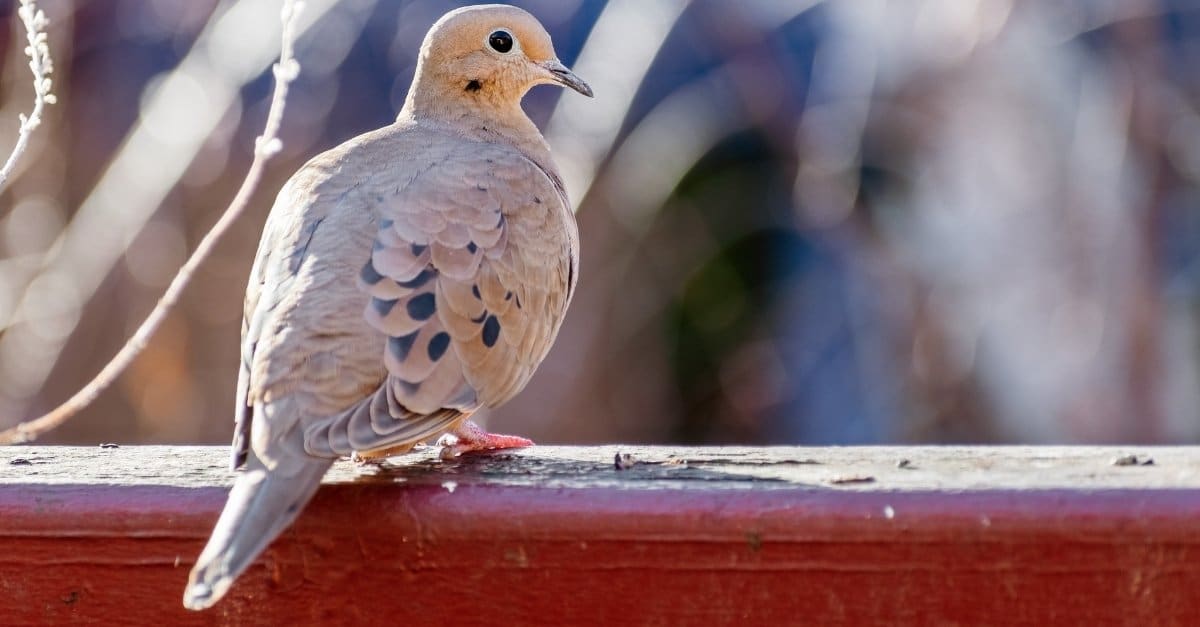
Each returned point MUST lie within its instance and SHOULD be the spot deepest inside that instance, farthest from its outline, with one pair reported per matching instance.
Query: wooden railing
(588, 536)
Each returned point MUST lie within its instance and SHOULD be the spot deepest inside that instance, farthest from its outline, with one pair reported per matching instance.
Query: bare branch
(265, 147)
(41, 65)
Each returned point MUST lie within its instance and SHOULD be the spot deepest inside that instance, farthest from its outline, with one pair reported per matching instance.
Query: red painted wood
(484, 555)
(683, 537)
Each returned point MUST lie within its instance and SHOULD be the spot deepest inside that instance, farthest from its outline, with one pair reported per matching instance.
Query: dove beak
(563, 76)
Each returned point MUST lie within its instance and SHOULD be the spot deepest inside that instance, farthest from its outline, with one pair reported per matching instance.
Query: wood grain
(680, 536)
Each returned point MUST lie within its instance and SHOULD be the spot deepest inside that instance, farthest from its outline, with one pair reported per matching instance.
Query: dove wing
(243, 413)
(469, 277)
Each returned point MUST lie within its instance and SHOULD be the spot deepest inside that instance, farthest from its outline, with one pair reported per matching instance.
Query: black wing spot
(474, 85)
(422, 306)
(407, 387)
(471, 247)
(418, 281)
(383, 307)
(417, 249)
(370, 275)
(481, 317)
(491, 331)
(438, 345)
(400, 346)
(475, 292)
(508, 295)
(298, 256)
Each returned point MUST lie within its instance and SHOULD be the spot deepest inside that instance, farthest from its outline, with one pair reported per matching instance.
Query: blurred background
(852, 221)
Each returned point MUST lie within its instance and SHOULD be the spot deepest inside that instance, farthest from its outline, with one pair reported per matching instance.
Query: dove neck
(477, 115)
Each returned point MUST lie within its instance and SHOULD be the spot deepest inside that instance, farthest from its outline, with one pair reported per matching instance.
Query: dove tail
(261, 505)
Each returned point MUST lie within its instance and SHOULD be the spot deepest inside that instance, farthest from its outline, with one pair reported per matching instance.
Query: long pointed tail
(261, 505)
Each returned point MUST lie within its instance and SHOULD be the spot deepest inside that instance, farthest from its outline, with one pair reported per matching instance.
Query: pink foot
(471, 437)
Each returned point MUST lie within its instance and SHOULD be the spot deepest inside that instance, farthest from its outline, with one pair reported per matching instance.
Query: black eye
(500, 41)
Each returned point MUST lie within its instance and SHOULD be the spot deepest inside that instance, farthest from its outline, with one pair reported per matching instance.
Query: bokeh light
(850, 221)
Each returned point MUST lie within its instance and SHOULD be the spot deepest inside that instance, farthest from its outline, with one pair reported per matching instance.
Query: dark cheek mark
(491, 331)
(383, 307)
(400, 346)
(473, 85)
(508, 295)
(421, 307)
(519, 301)
(438, 346)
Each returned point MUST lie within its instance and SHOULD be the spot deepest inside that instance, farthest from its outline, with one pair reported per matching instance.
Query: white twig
(41, 65)
(265, 146)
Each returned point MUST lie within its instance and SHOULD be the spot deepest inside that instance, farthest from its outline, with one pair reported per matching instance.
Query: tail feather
(261, 505)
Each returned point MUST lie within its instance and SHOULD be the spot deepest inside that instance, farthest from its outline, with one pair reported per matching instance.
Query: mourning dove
(405, 279)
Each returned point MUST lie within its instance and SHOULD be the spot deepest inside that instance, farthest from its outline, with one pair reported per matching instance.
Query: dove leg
(468, 437)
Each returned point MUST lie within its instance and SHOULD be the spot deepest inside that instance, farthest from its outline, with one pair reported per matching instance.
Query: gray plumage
(405, 279)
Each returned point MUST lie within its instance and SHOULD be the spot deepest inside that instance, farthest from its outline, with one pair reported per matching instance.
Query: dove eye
(501, 41)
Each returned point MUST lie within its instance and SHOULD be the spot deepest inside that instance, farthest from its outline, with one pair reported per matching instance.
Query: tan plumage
(405, 279)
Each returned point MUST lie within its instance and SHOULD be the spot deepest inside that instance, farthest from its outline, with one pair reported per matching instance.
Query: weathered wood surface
(680, 536)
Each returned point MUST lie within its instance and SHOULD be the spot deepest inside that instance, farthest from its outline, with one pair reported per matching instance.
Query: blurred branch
(174, 121)
(583, 135)
(1101, 15)
(41, 65)
(673, 135)
(266, 146)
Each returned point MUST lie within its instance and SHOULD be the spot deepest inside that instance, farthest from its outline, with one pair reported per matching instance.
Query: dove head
(484, 59)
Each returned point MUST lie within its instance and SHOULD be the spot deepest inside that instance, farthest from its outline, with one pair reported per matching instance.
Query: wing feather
(468, 281)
